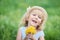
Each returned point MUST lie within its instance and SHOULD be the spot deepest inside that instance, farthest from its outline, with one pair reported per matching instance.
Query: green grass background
(11, 12)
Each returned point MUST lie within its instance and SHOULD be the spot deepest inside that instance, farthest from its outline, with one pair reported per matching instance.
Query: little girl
(35, 16)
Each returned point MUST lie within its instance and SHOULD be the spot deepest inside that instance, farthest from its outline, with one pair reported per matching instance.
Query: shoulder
(41, 33)
(41, 36)
(22, 28)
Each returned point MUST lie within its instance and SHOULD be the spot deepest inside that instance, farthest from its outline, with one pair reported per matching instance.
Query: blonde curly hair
(24, 20)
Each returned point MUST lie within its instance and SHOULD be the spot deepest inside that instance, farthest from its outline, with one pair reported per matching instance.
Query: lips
(34, 21)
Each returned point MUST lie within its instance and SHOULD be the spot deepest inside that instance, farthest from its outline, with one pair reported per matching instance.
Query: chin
(34, 25)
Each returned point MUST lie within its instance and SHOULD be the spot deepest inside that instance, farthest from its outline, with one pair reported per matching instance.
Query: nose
(36, 17)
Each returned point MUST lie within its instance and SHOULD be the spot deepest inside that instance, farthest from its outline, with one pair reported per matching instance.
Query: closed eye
(39, 17)
(34, 14)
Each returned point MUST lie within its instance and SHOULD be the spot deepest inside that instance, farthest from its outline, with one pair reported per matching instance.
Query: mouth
(34, 21)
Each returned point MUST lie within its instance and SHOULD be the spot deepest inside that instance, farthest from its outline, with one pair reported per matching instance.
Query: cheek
(31, 17)
(39, 21)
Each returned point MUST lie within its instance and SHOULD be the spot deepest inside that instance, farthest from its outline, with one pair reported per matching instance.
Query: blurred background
(11, 11)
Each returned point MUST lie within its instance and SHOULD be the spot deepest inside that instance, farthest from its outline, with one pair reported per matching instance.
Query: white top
(36, 36)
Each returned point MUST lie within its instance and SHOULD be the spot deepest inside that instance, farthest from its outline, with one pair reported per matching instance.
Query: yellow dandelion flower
(31, 30)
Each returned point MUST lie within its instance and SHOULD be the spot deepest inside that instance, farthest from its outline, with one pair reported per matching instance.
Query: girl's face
(34, 18)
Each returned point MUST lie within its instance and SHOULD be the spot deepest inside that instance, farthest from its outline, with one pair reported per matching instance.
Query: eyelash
(34, 14)
(39, 17)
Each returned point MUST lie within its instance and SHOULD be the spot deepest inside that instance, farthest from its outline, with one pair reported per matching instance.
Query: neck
(30, 25)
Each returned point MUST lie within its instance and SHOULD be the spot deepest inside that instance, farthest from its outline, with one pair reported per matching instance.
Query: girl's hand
(29, 36)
